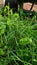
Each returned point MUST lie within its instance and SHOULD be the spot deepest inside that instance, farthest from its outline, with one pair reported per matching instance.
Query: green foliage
(18, 40)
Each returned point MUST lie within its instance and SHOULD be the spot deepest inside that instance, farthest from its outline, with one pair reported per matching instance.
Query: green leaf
(1, 52)
(25, 41)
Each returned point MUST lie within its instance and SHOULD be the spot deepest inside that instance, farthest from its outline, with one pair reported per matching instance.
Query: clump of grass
(18, 40)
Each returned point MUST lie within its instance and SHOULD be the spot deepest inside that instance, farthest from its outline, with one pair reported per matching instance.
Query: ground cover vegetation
(18, 38)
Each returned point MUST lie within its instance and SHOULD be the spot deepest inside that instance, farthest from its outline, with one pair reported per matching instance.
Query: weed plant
(18, 39)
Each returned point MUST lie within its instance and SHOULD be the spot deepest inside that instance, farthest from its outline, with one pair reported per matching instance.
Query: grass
(18, 40)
